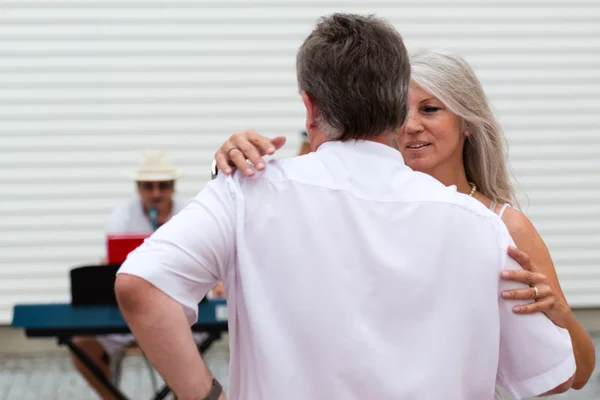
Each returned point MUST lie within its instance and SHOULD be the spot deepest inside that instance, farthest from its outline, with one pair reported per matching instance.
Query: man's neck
(317, 138)
(385, 138)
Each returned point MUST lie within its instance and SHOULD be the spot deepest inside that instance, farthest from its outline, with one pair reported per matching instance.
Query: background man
(155, 204)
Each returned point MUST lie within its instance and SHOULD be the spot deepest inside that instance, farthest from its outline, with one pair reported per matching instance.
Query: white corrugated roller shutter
(85, 85)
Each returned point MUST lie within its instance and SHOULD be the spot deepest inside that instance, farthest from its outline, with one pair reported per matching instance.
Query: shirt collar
(367, 147)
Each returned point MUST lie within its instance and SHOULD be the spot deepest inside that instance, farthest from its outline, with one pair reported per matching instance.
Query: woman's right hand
(248, 145)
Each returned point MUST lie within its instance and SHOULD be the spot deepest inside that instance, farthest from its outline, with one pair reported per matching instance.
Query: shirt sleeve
(535, 355)
(186, 256)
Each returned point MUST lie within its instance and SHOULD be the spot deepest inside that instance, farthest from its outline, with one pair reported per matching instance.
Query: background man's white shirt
(130, 217)
(349, 276)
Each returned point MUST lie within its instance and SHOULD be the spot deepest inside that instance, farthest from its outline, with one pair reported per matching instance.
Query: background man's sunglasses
(162, 186)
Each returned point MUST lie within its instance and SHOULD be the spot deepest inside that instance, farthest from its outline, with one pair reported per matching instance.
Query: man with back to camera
(342, 266)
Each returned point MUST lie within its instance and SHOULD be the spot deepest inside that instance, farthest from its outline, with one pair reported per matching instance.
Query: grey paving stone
(52, 377)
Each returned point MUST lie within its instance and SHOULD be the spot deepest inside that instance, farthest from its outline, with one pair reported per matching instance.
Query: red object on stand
(119, 246)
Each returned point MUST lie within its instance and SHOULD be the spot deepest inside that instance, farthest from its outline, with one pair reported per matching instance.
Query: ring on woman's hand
(230, 150)
(536, 292)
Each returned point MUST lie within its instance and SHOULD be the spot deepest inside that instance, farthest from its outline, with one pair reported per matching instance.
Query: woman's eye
(430, 109)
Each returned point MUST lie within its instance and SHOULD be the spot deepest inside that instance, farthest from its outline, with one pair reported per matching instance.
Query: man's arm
(161, 329)
(536, 356)
(161, 283)
(556, 307)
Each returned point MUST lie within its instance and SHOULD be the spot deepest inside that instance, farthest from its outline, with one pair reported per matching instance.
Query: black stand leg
(94, 369)
(202, 347)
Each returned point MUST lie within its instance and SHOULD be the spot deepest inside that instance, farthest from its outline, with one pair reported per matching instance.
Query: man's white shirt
(131, 218)
(350, 276)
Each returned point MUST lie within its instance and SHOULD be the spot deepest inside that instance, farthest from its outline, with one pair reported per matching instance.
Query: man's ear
(312, 112)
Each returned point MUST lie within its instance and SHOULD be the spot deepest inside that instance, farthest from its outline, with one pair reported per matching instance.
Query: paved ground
(52, 377)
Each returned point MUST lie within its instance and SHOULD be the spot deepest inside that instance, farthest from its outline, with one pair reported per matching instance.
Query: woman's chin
(419, 164)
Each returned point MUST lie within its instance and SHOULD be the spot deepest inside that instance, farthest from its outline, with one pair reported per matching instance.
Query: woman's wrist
(567, 318)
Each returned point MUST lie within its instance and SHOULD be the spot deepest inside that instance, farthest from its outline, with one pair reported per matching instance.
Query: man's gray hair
(356, 69)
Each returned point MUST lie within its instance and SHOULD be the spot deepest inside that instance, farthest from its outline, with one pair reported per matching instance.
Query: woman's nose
(413, 124)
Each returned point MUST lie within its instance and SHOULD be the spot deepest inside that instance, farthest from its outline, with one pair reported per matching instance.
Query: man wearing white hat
(155, 179)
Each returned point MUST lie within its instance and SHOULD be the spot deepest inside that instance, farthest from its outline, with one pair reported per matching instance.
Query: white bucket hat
(155, 166)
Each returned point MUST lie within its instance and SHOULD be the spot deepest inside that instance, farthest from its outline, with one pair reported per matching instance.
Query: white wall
(86, 85)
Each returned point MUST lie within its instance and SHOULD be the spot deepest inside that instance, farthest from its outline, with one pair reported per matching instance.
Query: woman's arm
(554, 303)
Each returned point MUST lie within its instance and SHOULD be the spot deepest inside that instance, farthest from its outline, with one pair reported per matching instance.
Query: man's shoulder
(298, 168)
(430, 193)
(121, 215)
(125, 208)
(278, 169)
(426, 189)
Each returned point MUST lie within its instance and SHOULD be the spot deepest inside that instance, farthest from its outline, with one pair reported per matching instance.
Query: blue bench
(64, 321)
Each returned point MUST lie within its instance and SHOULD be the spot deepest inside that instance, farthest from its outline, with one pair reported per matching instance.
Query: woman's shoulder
(517, 223)
(519, 226)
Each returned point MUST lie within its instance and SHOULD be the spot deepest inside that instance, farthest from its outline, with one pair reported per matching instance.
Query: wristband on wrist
(215, 391)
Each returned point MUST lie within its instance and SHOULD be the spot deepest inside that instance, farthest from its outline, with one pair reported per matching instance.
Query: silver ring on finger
(230, 150)
(536, 293)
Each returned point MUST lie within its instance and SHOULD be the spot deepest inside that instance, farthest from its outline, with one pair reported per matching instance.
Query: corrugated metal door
(86, 85)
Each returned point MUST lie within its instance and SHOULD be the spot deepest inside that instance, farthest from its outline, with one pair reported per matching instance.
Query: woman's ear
(466, 129)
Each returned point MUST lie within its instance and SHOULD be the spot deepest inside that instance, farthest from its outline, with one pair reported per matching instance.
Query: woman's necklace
(473, 189)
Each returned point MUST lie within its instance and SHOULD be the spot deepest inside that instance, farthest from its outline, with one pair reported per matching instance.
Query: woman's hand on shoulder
(243, 146)
(538, 272)
(545, 299)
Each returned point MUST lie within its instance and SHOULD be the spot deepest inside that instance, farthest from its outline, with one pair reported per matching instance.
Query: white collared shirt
(130, 217)
(350, 276)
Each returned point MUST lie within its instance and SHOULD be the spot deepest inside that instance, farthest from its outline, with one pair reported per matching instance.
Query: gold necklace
(473, 189)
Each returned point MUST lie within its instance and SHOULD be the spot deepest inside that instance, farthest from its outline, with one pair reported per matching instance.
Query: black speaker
(94, 285)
